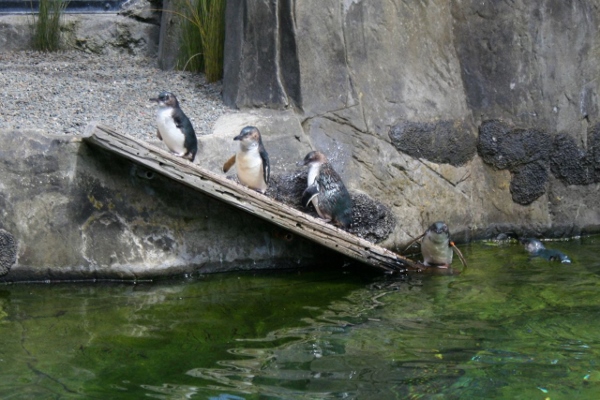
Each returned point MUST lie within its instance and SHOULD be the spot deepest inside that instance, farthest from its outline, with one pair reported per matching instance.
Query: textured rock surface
(443, 142)
(532, 62)
(481, 114)
(8, 251)
(260, 59)
(148, 11)
(168, 44)
(14, 33)
(111, 33)
(401, 94)
(80, 213)
(93, 33)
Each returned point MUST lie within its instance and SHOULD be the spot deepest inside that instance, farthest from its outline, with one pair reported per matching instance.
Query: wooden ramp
(230, 192)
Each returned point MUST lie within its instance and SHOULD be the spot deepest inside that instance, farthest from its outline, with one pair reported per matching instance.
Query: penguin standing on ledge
(251, 160)
(326, 191)
(174, 127)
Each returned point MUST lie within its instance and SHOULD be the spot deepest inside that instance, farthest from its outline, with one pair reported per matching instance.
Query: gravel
(61, 93)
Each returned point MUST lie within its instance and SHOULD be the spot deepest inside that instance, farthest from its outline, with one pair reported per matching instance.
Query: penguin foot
(433, 265)
(186, 155)
(189, 156)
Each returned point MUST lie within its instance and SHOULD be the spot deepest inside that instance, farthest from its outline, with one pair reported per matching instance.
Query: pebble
(62, 92)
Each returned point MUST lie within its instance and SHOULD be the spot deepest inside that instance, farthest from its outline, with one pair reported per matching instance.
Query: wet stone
(8, 251)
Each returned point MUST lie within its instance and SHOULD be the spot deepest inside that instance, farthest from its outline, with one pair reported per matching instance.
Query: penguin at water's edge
(436, 247)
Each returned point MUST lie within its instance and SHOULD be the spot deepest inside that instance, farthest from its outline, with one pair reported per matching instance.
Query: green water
(507, 327)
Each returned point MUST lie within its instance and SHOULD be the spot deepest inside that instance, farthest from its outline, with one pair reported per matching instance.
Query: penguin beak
(238, 137)
(304, 162)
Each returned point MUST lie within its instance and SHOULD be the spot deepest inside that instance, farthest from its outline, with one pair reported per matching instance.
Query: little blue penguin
(174, 127)
(251, 160)
(436, 246)
(326, 191)
(536, 249)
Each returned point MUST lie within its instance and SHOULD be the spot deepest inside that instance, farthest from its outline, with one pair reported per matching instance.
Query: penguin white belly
(313, 171)
(171, 135)
(250, 169)
(436, 251)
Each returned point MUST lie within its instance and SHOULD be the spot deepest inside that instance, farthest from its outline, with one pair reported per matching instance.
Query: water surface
(506, 327)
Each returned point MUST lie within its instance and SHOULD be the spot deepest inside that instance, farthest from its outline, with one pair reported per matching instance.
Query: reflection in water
(500, 330)
(285, 363)
(507, 327)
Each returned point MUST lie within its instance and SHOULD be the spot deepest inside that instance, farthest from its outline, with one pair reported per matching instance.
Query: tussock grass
(46, 25)
(203, 37)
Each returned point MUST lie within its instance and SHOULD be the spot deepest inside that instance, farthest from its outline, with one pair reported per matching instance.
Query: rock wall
(135, 30)
(482, 114)
(70, 211)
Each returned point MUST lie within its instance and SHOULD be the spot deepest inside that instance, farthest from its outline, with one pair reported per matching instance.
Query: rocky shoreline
(61, 93)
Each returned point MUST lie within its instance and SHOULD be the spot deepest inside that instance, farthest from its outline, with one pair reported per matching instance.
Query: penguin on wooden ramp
(174, 127)
(326, 191)
(251, 160)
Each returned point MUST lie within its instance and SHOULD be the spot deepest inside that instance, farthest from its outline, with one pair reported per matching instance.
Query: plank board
(239, 196)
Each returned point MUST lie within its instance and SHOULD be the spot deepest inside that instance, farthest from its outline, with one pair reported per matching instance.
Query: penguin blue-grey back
(174, 127)
(251, 160)
(326, 191)
(536, 249)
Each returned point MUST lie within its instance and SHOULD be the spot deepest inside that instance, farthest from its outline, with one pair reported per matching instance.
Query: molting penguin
(251, 160)
(174, 127)
(326, 191)
(536, 249)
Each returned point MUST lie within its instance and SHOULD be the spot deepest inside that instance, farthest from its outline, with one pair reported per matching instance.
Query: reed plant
(46, 25)
(202, 37)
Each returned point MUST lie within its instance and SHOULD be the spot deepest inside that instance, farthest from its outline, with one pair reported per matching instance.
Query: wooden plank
(239, 196)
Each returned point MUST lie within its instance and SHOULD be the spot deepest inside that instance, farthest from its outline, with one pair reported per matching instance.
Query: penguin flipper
(158, 134)
(228, 164)
(459, 254)
(180, 118)
(265, 163)
(309, 194)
